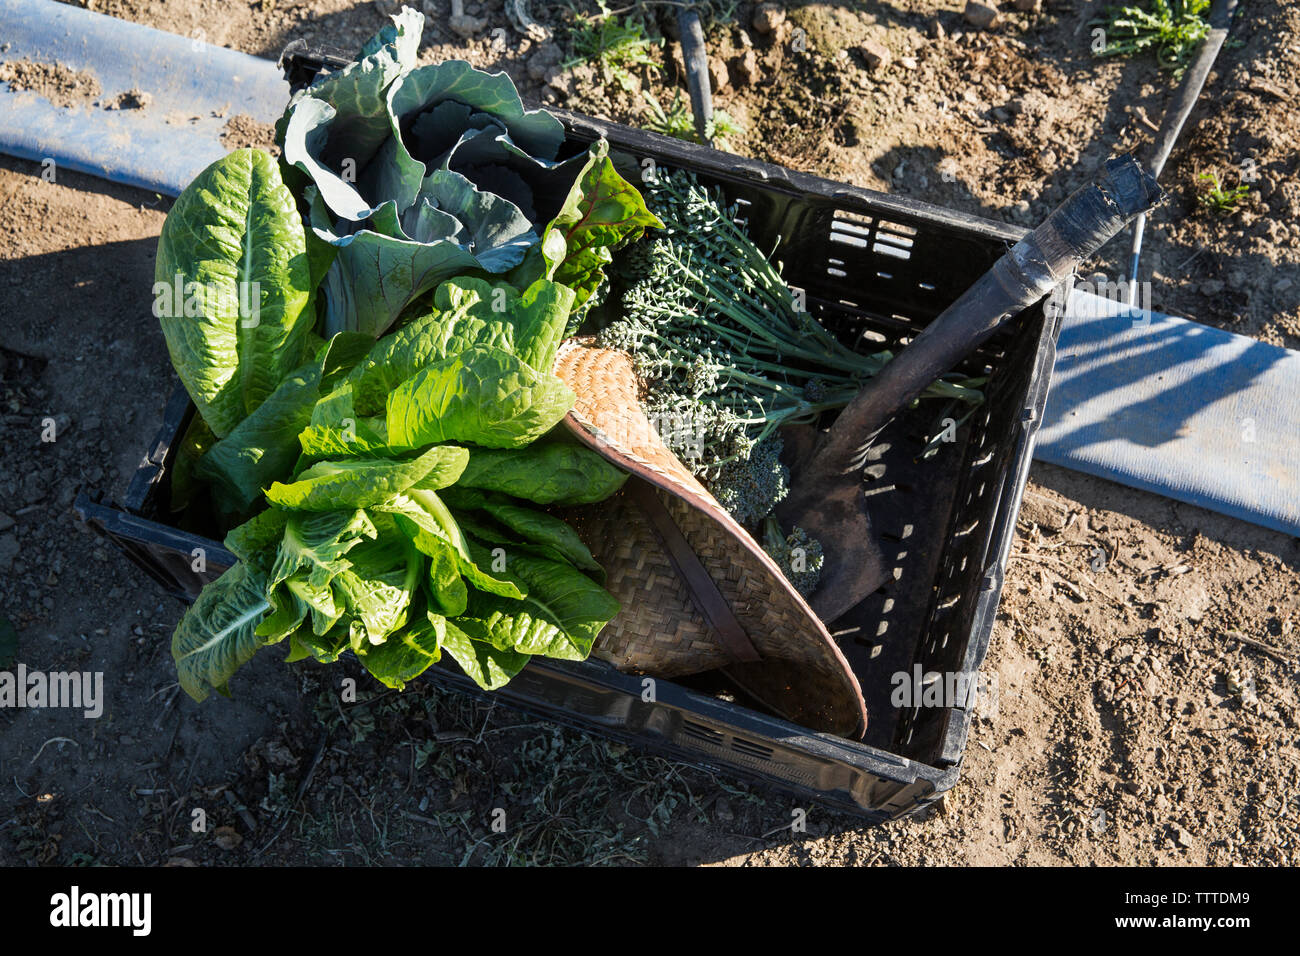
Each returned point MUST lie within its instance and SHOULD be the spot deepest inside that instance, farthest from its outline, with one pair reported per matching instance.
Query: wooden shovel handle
(1028, 271)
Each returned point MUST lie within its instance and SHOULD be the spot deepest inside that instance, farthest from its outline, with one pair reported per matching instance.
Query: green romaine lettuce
(467, 311)
(264, 446)
(408, 653)
(551, 536)
(232, 286)
(361, 483)
(559, 617)
(488, 666)
(550, 473)
(483, 395)
(218, 634)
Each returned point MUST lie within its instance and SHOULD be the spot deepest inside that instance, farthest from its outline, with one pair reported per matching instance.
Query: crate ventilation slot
(700, 732)
(897, 237)
(849, 234)
(742, 211)
(881, 236)
(750, 748)
(715, 739)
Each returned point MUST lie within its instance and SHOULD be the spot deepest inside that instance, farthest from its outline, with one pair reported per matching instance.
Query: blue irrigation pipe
(195, 88)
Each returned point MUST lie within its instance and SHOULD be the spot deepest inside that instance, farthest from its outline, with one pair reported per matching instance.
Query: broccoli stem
(715, 332)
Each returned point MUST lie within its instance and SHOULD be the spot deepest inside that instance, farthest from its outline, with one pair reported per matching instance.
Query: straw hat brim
(698, 592)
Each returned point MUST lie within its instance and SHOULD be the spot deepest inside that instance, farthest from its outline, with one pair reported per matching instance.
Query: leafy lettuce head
(418, 174)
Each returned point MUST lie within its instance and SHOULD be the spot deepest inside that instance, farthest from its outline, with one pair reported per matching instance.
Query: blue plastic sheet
(1175, 407)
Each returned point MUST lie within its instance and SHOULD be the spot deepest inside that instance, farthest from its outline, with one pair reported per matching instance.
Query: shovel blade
(854, 563)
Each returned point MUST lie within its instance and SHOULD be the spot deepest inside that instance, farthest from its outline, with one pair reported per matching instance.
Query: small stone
(935, 29)
(982, 16)
(227, 838)
(1182, 837)
(558, 80)
(747, 70)
(1040, 510)
(718, 74)
(546, 56)
(768, 17)
(875, 55)
(34, 488)
(907, 62)
(6, 522)
(1029, 6)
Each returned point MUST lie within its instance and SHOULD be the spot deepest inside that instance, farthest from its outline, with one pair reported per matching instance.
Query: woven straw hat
(698, 592)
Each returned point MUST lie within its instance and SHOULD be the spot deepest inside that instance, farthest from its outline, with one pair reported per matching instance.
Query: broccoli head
(749, 487)
(799, 556)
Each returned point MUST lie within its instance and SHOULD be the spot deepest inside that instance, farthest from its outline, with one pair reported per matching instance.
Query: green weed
(616, 46)
(1172, 29)
(1218, 199)
(678, 122)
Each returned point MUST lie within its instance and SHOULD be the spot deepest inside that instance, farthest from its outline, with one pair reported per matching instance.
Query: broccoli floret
(749, 486)
(798, 555)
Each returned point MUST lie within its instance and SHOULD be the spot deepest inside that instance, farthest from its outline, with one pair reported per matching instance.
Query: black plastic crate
(875, 269)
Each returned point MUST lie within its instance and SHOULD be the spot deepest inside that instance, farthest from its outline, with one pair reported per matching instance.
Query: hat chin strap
(708, 600)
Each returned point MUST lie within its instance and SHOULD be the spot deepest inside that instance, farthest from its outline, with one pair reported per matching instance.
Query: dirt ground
(1145, 651)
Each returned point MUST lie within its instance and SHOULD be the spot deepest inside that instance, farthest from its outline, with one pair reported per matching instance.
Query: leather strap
(704, 593)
